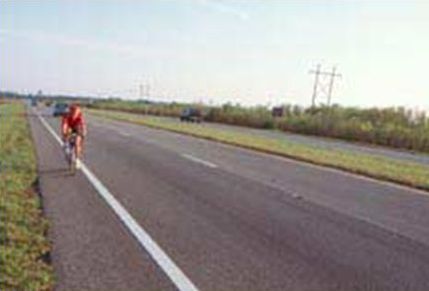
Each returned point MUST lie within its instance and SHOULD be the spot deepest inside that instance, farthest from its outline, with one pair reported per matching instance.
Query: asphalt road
(321, 142)
(231, 219)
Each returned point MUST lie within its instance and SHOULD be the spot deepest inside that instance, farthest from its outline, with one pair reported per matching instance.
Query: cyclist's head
(75, 109)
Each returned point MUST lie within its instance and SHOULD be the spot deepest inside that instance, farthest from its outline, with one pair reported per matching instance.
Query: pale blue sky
(252, 52)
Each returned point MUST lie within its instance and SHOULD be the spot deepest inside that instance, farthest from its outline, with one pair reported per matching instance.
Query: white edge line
(200, 161)
(176, 275)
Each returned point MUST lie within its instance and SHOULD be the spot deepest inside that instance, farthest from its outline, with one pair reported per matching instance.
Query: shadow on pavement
(61, 172)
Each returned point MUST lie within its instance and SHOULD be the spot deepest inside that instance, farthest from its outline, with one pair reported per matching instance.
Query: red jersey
(77, 123)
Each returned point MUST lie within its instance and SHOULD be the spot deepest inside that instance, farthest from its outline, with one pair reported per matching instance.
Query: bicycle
(70, 152)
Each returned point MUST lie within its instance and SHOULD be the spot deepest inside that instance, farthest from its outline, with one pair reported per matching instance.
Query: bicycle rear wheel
(72, 161)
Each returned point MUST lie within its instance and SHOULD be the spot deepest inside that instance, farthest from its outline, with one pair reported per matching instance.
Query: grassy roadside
(406, 173)
(23, 244)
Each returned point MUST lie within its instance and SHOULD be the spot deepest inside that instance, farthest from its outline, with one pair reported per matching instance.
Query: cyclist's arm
(83, 127)
(64, 127)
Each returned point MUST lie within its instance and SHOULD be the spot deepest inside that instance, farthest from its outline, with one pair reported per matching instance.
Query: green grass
(406, 173)
(23, 242)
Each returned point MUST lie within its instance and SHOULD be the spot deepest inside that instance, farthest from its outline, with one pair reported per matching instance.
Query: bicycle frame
(71, 152)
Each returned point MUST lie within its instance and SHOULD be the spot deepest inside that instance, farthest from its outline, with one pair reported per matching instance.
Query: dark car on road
(60, 109)
(191, 115)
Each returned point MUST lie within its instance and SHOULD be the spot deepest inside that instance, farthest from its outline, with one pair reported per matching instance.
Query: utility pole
(331, 84)
(141, 91)
(316, 81)
(144, 90)
(147, 90)
(321, 88)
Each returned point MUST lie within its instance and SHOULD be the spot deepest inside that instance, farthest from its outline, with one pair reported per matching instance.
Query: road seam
(291, 160)
(112, 128)
(380, 179)
(200, 161)
(175, 274)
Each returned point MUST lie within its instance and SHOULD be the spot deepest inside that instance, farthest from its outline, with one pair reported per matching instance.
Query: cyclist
(73, 122)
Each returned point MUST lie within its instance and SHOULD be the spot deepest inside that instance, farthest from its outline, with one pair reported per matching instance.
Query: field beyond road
(402, 172)
(23, 245)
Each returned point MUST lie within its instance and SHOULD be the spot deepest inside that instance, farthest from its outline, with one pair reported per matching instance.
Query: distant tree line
(46, 97)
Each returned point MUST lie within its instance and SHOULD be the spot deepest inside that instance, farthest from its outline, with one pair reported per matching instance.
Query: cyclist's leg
(66, 144)
(78, 146)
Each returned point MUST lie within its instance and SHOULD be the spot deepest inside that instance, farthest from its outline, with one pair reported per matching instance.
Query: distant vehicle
(277, 112)
(60, 109)
(33, 102)
(191, 115)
